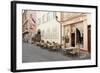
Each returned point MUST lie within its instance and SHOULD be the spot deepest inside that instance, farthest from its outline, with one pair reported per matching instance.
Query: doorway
(89, 38)
(73, 39)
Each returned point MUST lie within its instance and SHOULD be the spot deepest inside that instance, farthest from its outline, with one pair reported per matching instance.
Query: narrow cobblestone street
(33, 53)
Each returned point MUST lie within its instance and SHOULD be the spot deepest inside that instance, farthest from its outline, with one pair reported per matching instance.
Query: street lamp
(60, 21)
(65, 38)
(60, 28)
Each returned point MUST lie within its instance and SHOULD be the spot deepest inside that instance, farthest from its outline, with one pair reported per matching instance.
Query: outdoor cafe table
(69, 49)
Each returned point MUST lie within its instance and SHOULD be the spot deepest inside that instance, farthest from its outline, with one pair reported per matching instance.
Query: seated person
(58, 45)
(37, 43)
(54, 46)
(63, 46)
(49, 45)
(45, 44)
(41, 43)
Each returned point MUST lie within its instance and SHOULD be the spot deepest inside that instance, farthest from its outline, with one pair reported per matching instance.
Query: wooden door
(89, 38)
(73, 39)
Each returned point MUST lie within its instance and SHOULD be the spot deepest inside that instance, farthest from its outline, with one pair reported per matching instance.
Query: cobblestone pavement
(33, 53)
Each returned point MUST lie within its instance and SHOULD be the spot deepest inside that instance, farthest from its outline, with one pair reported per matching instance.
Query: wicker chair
(75, 51)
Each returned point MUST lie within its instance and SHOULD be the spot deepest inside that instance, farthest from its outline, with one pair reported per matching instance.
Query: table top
(69, 48)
